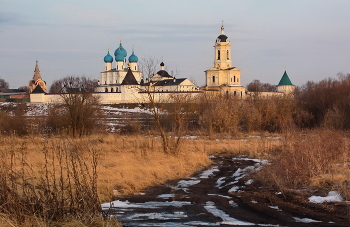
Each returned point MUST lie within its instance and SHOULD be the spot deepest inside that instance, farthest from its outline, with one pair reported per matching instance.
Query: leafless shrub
(65, 187)
(317, 158)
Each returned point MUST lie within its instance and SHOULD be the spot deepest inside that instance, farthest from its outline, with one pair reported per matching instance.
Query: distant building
(111, 79)
(223, 76)
(37, 85)
(163, 82)
(285, 85)
(122, 81)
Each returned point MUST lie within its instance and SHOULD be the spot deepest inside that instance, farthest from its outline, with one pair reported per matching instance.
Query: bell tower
(223, 76)
(222, 51)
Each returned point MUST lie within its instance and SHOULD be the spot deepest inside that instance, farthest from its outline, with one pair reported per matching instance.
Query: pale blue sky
(70, 37)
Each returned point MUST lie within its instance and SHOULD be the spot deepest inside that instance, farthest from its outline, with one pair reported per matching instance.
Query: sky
(311, 38)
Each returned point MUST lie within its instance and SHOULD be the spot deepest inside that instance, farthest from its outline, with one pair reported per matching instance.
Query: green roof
(285, 80)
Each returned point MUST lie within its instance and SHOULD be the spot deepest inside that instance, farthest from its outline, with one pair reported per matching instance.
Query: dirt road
(224, 195)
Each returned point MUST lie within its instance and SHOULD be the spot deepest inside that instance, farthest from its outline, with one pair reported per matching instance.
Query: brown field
(103, 167)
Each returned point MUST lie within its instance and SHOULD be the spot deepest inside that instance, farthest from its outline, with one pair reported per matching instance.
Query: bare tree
(257, 86)
(80, 108)
(166, 108)
(73, 82)
(148, 66)
(23, 89)
(4, 84)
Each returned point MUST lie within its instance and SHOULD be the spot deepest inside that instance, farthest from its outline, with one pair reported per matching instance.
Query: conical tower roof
(129, 79)
(285, 80)
(36, 72)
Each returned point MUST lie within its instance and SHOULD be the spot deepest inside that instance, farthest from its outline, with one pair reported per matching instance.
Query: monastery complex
(123, 82)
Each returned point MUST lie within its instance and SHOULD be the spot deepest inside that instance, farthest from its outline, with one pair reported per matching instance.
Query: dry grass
(316, 159)
(129, 164)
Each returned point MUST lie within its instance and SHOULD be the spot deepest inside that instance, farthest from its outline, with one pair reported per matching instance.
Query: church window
(237, 80)
(228, 56)
(116, 90)
(218, 54)
(213, 79)
(111, 89)
(135, 68)
(234, 93)
(105, 82)
(116, 81)
(106, 90)
(234, 79)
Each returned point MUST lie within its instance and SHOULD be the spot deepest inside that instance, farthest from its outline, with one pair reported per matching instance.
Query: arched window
(228, 55)
(218, 54)
(234, 79)
(135, 67)
(237, 80)
(116, 90)
(213, 79)
(234, 93)
(111, 89)
(106, 90)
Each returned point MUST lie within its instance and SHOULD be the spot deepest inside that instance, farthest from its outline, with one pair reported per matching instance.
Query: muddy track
(223, 195)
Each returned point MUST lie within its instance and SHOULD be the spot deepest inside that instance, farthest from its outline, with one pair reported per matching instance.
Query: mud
(225, 195)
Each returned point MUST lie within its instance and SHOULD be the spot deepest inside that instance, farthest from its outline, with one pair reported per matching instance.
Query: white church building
(123, 82)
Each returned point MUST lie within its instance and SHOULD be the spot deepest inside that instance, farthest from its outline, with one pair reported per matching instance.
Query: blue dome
(133, 57)
(119, 57)
(108, 58)
(120, 50)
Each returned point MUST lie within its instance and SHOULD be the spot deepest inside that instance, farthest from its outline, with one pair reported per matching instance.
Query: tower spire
(36, 72)
(222, 28)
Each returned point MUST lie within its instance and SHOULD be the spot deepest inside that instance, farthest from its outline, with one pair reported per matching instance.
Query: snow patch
(333, 196)
(187, 183)
(234, 189)
(226, 219)
(249, 182)
(148, 205)
(305, 220)
(166, 196)
(208, 173)
(157, 216)
(275, 207)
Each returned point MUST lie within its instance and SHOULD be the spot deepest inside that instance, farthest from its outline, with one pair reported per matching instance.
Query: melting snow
(305, 220)
(148, 205)
(187, 183)
(275, 207)
(234, 189)
(248, 182)
(220, 181)
(226, 219)
(166, 196)
(333, 196)
(157, 216)
(208, 173)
